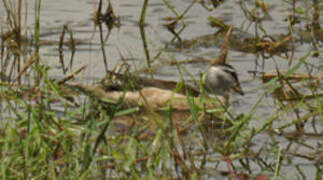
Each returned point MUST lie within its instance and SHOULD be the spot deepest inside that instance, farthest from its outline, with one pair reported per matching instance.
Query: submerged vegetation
(132, 125)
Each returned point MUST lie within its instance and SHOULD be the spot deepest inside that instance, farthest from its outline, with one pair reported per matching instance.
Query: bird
(219, 79)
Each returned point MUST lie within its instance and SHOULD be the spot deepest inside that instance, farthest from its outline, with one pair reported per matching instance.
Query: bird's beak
(237, 88)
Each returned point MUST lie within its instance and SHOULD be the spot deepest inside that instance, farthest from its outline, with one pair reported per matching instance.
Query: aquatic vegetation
(146, 113)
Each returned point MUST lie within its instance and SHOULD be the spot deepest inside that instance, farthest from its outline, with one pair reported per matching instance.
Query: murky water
(125, 42)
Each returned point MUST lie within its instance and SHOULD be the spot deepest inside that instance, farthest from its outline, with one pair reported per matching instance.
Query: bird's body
(221, 78)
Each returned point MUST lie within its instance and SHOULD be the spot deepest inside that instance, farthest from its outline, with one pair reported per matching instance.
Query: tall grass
(50, 130)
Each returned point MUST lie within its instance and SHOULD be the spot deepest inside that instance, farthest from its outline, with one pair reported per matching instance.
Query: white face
(219, 79)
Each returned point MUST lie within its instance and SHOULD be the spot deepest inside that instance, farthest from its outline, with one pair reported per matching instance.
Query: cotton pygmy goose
(220, 78)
